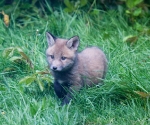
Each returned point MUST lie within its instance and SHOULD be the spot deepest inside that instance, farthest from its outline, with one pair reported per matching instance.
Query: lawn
(123, 99)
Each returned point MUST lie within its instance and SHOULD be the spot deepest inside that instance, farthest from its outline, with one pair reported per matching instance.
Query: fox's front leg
(59, 90)
(72, 90)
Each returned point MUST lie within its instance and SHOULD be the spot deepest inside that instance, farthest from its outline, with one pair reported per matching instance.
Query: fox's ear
(50, 39)
(73, 43)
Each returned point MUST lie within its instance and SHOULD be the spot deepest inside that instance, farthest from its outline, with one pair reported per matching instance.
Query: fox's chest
(69, 78)
(60, 81)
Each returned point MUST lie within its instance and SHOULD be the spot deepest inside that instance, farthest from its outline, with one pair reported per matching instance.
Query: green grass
(114, 103)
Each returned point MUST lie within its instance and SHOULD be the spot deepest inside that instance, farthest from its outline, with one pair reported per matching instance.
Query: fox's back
(92, 64)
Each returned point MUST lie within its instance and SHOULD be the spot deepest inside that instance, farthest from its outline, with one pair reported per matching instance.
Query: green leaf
(68, 10)
(95, 12)
(28, 79)
(2, 88)
(142, 94)
(40, 85)
(69, 4)
(128, 12)
(44, 104)
(42, 72)
(15, 58)
(47, 79)
(136, 2)
(137, 12)
(132, 3)
(130, 39)
(8, 52)
(33, 108)
(138, 26)
(25, 57)
(83, 3)
(8, 69)
(34, 2)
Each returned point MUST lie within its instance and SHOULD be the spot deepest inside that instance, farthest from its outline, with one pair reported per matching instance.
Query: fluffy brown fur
(72, 70)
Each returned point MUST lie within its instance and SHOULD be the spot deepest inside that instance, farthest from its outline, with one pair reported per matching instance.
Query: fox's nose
(54, 68)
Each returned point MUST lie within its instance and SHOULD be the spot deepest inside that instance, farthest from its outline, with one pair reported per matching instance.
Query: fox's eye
(63, 58)
(52, 56)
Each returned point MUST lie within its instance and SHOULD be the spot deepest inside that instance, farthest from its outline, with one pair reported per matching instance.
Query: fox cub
(72, 70)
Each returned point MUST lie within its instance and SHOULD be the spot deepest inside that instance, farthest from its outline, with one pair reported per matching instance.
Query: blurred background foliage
(21, 11)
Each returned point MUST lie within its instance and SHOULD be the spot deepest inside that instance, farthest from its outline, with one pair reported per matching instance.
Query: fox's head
(61, 53)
